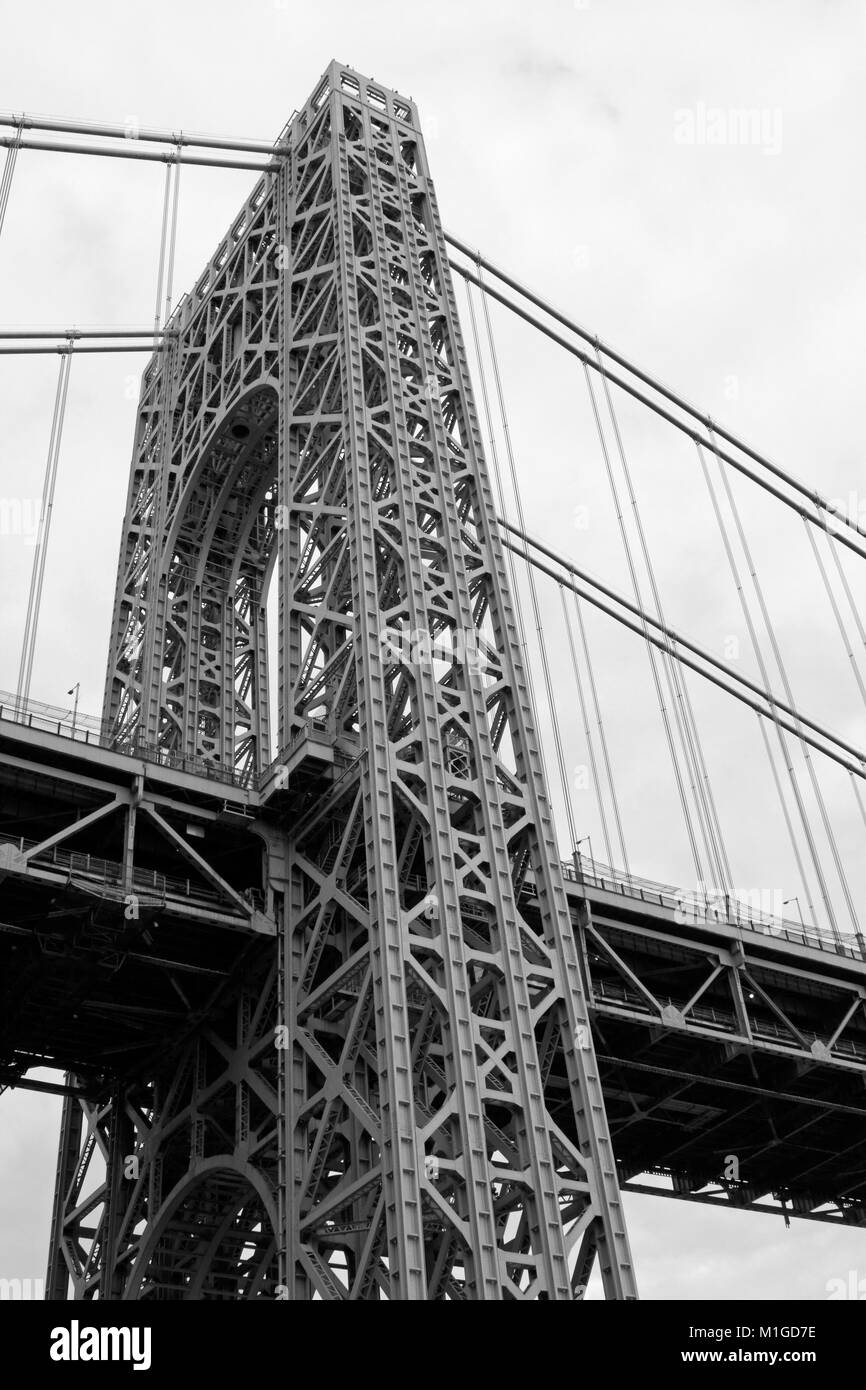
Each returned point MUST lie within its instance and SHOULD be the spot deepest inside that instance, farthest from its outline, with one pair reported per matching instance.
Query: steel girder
(187, 670)
(314, 399)
(717, 1044)
(712, 1040)
(167, 1190)
(423, 1014)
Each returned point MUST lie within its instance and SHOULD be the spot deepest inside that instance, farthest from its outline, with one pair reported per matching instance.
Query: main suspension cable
(823, 504)
(63, 348)
(858, 768)
(150, 156)
(675, 638)
(76, 333)
(135, 133)
(815, 498)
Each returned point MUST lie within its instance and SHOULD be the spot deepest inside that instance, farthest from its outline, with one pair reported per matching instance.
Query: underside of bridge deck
(732, 1061)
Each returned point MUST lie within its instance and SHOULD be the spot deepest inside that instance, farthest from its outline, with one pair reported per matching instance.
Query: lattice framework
(442, 1126)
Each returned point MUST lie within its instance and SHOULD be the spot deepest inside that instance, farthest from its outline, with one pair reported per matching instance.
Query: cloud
(538, 68)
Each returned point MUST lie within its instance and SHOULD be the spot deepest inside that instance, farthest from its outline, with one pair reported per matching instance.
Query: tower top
(351, 84)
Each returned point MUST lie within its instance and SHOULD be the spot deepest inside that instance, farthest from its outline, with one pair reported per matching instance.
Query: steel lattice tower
(402, 1099)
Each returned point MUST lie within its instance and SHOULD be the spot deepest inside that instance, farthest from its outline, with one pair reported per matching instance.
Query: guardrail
(763, 1025)
(147, 882)
(723, 908)
(712, 906)
(84, 728)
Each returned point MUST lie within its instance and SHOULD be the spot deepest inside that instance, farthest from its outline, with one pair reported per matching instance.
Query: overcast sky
(565, 140)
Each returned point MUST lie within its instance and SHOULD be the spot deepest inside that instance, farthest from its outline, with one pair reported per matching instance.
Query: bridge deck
(721, 1034)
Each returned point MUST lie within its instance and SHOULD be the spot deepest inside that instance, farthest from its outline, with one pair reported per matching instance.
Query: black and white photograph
(433, 671)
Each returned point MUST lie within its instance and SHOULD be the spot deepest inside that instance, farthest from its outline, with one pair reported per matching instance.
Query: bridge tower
(395, 1094)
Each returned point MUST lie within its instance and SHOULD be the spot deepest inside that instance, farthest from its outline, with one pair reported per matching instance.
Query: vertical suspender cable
(756, 647)
(601, 734)
(783, 803)
(34, 600)
(157, 315)
(842, 629)
(843, 579)
(8, 171)
(701, 787)
(836, 614)
(172, 241)
(542, 645)
(789, 696)
(497, 477)
(686, 725)
(515, 589)
(596, 781)
(650, 650)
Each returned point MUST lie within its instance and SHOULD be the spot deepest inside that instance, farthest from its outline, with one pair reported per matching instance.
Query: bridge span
(141, 903)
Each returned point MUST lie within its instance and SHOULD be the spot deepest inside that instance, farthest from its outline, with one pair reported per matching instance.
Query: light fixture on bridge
(75, 690)
(799, 909)
(586, 839)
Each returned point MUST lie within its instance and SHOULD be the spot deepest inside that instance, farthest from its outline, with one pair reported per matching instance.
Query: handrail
(100, 733)
(83, 728)
(708, 1014)
(723, 908)
(110, 872)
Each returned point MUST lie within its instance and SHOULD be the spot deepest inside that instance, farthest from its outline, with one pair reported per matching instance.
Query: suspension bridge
(339, 1005)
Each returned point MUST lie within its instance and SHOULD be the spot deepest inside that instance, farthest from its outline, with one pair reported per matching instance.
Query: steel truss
(713, 1038)
(167, 1190)
(314, 402)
